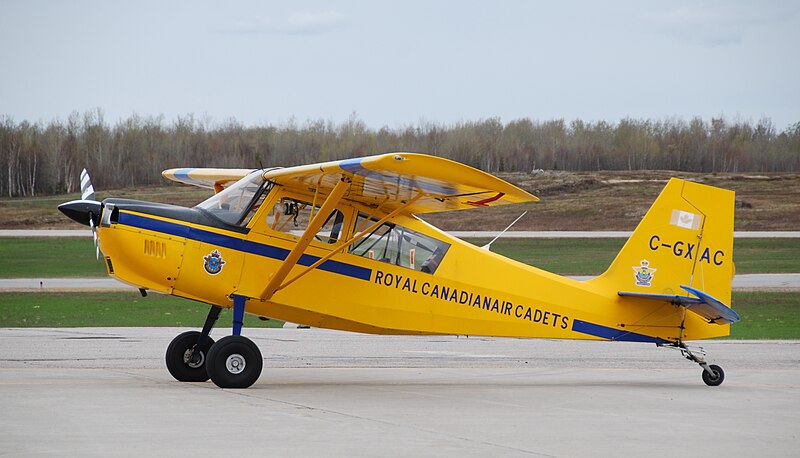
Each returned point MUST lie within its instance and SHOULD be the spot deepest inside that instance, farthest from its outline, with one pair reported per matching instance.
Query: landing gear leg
(186, 354)
(713, 375)
(235, 361)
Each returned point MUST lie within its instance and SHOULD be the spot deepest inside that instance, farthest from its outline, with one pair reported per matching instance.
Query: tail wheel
(234, 362)
(183, 363)
(716, 379)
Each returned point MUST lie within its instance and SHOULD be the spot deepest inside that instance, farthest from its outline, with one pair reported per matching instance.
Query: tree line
(46, 158)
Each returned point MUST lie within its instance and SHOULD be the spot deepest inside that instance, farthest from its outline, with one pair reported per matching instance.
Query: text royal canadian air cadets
(478, 301)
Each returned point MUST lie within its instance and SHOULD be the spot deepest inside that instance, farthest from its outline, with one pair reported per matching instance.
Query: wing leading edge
(208, 178)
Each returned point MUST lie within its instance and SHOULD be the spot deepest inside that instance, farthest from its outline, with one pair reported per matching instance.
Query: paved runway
(780, 282)
(105, 392)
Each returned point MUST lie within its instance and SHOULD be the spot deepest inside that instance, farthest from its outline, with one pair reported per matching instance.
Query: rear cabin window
(394, 244)
(292, 216)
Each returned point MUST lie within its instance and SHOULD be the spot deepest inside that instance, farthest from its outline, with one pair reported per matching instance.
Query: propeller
(87, 210)
(87, 190)
(87, 193)
(94, 237)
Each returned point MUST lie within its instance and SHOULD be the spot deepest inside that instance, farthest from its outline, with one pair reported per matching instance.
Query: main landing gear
(232, 362)
(713, 375)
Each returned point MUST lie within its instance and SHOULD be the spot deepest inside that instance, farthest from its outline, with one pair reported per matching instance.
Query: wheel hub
(194, 359)
(235, 363)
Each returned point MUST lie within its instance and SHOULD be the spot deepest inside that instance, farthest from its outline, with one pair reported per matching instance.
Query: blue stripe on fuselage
(584, 327)
(235, 243)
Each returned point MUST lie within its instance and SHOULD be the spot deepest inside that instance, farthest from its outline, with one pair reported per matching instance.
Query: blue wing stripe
(354, 166)
(182, 175)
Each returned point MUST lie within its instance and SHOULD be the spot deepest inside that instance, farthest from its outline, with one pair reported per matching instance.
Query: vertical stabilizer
(686, 238)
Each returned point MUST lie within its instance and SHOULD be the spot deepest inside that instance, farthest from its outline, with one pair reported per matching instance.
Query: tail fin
(686, 238)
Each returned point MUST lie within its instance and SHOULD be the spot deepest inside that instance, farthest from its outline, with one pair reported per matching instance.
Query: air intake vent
(155, 248)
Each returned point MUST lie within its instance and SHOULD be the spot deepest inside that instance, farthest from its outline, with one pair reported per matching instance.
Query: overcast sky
(398, 63)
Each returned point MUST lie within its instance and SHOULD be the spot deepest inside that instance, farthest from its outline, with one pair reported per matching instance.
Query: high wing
(394, 183)
(390, 181)
(216, 179)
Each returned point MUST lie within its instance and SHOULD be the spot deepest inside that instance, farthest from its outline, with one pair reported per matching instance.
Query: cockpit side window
(237, 203)
(292, 216)
(398, 245)
(255, 206)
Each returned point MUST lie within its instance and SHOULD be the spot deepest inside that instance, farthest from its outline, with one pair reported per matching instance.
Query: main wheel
(178, 362)
(716, 380)
(234, 362)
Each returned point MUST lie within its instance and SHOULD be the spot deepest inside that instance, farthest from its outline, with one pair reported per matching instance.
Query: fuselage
(380, 285)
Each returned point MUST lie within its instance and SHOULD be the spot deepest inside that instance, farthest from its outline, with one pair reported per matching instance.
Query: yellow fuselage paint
(473, 292)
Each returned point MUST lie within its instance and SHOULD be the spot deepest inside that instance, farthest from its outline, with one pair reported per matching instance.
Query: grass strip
(593, 256)
(108, 309)
(561, 256)
(74, 257)
(765, 315)
(40, 257)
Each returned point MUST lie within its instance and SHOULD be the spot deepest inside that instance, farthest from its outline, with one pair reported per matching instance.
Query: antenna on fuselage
(488, 246)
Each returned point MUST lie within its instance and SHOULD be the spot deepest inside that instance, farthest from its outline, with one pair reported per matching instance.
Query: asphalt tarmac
(105, 392)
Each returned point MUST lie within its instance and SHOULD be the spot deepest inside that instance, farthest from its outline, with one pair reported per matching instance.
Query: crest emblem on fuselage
(643, 273)
(213, 262)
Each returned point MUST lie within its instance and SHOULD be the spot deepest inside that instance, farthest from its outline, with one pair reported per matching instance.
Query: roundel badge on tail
(643, 273)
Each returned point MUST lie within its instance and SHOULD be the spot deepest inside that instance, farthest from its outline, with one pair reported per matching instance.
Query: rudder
(686, 238)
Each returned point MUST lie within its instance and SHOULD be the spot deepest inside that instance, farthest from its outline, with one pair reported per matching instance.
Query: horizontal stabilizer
(704, 305)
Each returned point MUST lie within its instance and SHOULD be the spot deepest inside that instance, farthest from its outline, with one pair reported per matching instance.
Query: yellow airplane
(339, 245)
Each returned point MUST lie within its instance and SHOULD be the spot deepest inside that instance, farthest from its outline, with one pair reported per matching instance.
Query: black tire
(178, 354)
(234, 362)
(714, 381)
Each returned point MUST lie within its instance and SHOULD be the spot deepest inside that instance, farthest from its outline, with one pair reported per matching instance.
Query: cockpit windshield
(237, 203)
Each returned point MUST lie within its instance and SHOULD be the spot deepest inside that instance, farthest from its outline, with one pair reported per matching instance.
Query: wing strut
(355, 238)
(314, 226)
